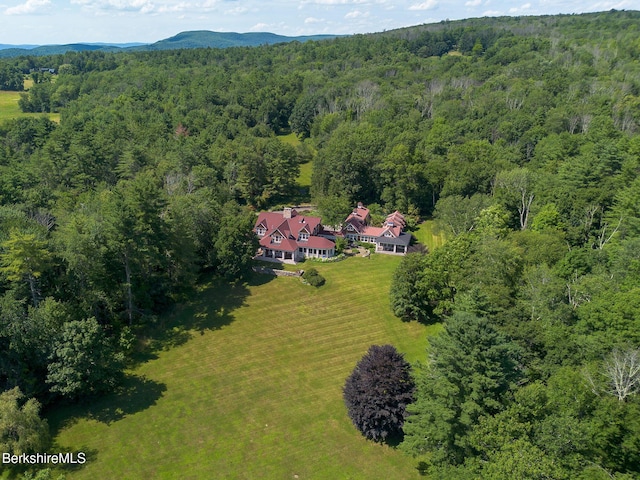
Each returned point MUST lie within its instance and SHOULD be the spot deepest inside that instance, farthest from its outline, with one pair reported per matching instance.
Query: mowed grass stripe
(261, 396)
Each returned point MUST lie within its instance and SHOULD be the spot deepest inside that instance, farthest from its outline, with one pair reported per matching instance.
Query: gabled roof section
(396, 219)
(359, 218)
(281, 229)
(287, 227)
(372, 231)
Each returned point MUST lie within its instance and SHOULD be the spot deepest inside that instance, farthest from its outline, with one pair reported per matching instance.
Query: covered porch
(277, 256)
(393, 245)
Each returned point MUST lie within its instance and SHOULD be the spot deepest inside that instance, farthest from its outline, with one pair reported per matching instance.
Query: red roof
(358, 218)
(275, 220)
(373, 231)
(396, 219)
(317, 242)
(290, 229)
(286, 244)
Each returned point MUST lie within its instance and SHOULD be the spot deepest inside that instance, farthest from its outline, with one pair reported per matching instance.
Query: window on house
(304, 236)
(277, 239)
(261, 231)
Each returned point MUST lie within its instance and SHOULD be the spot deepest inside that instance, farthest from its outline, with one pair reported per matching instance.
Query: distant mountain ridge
(192, 39)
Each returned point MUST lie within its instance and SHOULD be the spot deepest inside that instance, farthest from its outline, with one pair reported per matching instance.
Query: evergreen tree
(471, 367)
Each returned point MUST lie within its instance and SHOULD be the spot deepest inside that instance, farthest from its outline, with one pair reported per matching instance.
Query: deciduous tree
(84, 361)
(378, 391)
(21, 428)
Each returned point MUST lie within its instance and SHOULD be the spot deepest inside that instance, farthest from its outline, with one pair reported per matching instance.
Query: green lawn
(290, 139)
(9, 108)
(426, 235)
(252, 387)
(9, 105)
(304, 179)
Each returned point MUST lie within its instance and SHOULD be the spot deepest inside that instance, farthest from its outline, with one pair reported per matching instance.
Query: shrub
(313, 278)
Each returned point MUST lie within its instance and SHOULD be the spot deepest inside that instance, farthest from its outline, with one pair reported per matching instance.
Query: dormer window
(260, 231)
(277, 238)
(303, 237)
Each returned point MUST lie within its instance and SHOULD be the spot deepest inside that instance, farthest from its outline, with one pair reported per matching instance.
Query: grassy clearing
(9, 105)
(9, 108)
(426, 234)
(291, 139)
(304, 179)
(253, 386)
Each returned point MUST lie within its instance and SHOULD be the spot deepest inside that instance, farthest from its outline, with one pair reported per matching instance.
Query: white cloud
(356, 14)
(259, 27)
(311, 20)
(236, 11)
(154, 6)
(30, 6)
(142, 6)
(521, 8)
(338, 2)
(622, 5)
(492, 13)
(473, 3)
(426, 5)
(177, 8)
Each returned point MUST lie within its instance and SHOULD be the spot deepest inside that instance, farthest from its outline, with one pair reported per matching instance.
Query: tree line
(520, 136)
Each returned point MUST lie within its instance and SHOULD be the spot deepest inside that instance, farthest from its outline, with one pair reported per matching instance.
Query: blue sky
(68, 21)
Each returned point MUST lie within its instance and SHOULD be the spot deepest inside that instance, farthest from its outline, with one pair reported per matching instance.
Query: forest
(518, 136)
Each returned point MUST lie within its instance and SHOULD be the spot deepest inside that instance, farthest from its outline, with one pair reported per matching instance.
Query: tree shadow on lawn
(134, 395)
(394, 439)
(90, 455)
(211, 309)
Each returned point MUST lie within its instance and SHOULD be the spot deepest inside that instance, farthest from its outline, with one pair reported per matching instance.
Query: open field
(9, 105)
(304, 179)
(9, 108)
(427, 235)
(252, 387)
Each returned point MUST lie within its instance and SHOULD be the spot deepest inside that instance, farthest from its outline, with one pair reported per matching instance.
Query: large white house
(288, 237)
(390, 238)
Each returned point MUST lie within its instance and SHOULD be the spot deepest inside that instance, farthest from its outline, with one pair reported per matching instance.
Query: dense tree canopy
(471, 368)
(518, 136)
